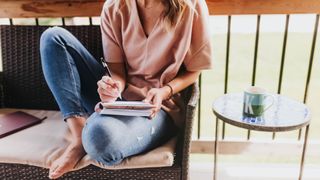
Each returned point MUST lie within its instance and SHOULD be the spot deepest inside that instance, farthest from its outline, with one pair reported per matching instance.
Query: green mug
(255, 101)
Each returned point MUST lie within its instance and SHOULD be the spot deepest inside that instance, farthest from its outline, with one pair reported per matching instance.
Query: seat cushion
(41, 144)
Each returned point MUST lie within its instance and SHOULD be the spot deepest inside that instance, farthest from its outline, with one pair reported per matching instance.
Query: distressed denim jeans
(71, 73)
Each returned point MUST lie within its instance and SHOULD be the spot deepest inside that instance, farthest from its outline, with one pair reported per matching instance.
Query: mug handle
(269, 96)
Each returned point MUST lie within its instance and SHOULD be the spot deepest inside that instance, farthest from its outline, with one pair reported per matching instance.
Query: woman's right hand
(108, 89)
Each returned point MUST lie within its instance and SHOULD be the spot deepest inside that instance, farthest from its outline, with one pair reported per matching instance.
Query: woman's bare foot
(74, 151)
(67, 161)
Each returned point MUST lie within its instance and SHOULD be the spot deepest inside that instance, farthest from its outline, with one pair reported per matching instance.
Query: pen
(104, 64)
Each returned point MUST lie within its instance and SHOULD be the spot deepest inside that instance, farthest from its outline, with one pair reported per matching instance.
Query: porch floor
(228, 171)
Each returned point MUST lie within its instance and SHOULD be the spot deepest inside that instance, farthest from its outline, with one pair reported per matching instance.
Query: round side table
(284, 115)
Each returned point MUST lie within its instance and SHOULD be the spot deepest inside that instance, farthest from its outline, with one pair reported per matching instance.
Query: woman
(154, 48)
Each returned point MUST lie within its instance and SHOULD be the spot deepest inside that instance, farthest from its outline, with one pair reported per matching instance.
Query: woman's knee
(52, 34)
(53, 38)
(52, 41)
(102, 140)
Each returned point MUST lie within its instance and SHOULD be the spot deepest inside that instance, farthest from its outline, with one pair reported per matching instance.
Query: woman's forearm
(118, 73)
(183, 80)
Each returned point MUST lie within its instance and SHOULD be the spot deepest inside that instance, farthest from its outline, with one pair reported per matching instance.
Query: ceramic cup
(255, 101)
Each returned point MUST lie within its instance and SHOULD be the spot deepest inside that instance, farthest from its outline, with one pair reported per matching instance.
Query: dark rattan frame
(23, 86)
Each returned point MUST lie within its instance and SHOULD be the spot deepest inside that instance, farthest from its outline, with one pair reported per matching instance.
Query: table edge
(263, 128)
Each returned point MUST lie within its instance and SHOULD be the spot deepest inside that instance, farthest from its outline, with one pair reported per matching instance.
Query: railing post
(226, 76)
(255, 60)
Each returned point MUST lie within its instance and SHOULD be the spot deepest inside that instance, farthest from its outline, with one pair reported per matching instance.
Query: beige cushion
(41, 144)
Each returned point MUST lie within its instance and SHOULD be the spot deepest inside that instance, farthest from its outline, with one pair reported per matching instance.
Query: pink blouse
(153, 61)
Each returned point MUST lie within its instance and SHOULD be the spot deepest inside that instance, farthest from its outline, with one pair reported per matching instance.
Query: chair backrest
(23, 82)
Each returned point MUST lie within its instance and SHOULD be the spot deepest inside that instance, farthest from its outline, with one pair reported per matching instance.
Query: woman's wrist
(168, 91)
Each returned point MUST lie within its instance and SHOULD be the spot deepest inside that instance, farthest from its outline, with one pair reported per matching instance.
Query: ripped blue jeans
(71, 73)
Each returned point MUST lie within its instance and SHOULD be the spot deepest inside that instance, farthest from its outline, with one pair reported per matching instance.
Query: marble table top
(285, 114)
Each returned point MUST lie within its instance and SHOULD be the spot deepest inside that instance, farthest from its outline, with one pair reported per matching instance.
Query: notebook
(126, 108)
(16, 121)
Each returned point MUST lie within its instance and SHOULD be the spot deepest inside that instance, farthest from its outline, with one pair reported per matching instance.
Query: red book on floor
(16, 121)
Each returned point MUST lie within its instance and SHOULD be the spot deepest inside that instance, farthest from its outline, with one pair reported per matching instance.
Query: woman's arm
(118, 74)
(183, 80)
(155, 96)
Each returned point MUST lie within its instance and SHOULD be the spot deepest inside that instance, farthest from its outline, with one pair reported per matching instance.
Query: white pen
(104, 64)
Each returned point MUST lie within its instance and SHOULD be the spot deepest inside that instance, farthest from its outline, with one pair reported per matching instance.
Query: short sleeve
(198, 56)
(111, 37)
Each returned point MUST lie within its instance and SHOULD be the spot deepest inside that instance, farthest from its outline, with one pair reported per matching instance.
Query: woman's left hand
(155, 97)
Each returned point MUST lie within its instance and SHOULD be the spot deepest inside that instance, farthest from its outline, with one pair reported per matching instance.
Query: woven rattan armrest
(193, 94)
(1, 90)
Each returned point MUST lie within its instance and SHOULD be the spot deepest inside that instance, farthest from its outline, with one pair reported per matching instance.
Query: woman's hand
(155, 96)
(108, 89)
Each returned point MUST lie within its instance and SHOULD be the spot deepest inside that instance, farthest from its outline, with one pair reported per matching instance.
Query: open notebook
(126, 108)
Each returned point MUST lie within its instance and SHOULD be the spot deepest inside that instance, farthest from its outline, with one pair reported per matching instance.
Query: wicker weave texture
(16, 171)
(1, 88)
(193, 91)
(23, 80)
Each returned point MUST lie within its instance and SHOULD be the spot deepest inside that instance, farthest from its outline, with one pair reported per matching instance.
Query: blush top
(153, 61)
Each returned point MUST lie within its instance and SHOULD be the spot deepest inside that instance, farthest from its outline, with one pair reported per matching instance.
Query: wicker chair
(23, 86)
